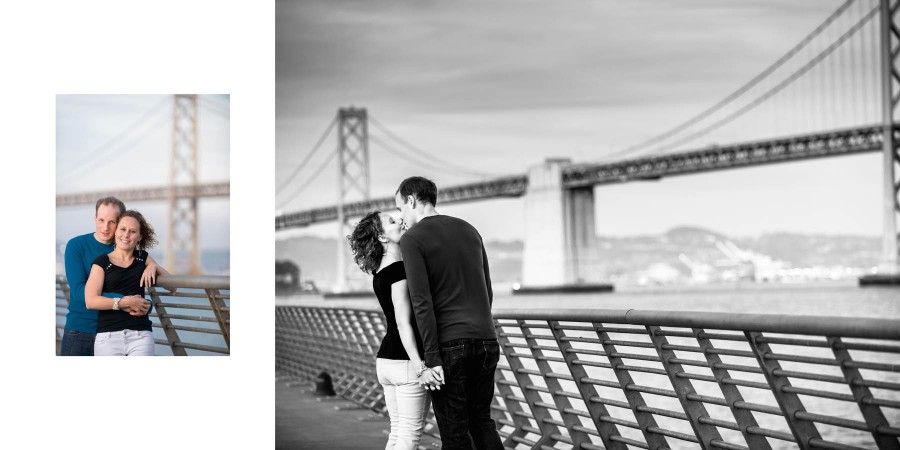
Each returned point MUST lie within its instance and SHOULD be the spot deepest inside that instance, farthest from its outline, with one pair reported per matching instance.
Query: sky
(498, 87)
(125, 141)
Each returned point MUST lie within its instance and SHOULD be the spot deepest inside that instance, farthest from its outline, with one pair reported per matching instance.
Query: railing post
(587, 391)
(223, 316)
(743, 417)
(514, 408)
(540, 413)
(789, 402)
(562, 402)
(635, 399)
(683, 388)
(166, 322)
(871, 413)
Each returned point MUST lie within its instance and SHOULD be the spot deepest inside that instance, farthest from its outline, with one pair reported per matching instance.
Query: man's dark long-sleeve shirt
(449, 282)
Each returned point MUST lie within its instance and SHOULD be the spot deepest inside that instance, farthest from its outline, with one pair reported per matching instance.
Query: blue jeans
(76, 343)
(462, 406)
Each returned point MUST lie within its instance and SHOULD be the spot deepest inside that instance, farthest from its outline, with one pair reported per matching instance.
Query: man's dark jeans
(76, 343)
(462, 406)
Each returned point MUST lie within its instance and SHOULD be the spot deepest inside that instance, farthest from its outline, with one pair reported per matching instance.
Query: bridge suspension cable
(309, 180)
(740, 91)
(107, 152)
(307, 159)
(417, 152)
(774, 90)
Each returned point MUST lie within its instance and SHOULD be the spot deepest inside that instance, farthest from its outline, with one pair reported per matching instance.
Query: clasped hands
(432, 378)
(134, 305)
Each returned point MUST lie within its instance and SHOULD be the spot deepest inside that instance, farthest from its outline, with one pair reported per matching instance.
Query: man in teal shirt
(81, 323)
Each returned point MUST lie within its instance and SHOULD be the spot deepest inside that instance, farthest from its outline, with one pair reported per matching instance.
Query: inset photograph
(142, 225)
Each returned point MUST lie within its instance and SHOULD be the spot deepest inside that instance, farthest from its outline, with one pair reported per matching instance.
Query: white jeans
(124, 343)
(407, 402)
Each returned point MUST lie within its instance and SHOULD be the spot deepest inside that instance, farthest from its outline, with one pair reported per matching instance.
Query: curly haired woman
(120, 333)
(399, 365)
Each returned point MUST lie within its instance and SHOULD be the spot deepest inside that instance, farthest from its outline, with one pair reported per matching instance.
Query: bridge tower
(183, 249)
(560, 237)
(353, 175)
(890, 85)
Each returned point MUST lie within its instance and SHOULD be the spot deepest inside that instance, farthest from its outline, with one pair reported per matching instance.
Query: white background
(163, 47)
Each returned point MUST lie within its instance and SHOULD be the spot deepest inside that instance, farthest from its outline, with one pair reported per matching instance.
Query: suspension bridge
(834, 93)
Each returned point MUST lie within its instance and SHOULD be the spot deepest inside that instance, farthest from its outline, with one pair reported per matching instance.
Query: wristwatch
(116, 303)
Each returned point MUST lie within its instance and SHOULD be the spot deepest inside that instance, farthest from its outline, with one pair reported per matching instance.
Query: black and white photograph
(585, 225)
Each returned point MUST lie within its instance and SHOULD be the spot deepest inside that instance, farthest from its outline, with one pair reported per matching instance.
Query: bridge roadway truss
(222, 189)
(795, 148)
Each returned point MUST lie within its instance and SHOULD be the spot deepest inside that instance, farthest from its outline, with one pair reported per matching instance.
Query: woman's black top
(125, 281)
(391, 345)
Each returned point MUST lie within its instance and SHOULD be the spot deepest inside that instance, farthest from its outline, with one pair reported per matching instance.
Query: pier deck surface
(304, 421)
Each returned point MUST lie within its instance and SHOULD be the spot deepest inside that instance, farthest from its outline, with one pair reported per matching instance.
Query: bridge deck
(309, 422)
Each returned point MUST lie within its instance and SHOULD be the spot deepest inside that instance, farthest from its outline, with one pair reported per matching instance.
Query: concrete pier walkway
(304, 421)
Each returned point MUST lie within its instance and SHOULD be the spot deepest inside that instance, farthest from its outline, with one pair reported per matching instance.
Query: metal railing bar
(188, 306)
(873, 366)
(771, 433)
(586, 352)
(604, 383)
(575, 327)
(642, 369)
(794, 341)
(637, 356)
(674, 434)
(663, 412)
(629, 343)
(689, 362)
(560, 376)
(739, 368)
(507, 382)
(589, 446)
(727, 445)
(577, 412)
(549, 358)
(184, 295)
(819, 393)
(610, 402)
(802, 359)
(870, 347)
(545, 347)
(509, 335)
(683, 348)
(707, 399)
(207, 348)
(503, 367)
(194, 329)
(890, 431)
(617, 421)
(582, 339)
(625, 440)
(530, 371)
(722, 336)
(820, 443)
(720, 423)
(532, 387)
(730, 352)
(522, 440)
(810, 376)
(182, 317)
(745, 383)
(695, 376)
(651, 390)
(623, 330)
(882, 402)
(582, 362)
(514, 345)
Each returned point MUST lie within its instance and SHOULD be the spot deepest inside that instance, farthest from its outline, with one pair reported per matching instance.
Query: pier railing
(593, 379)
(195, 319)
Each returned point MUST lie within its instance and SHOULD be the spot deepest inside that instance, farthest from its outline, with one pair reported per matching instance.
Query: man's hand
(134, 305)
(438, 373)
(148, 278)
(429, 381)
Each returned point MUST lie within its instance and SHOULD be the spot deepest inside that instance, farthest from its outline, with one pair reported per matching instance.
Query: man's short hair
(423, 189)
(110, 201)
